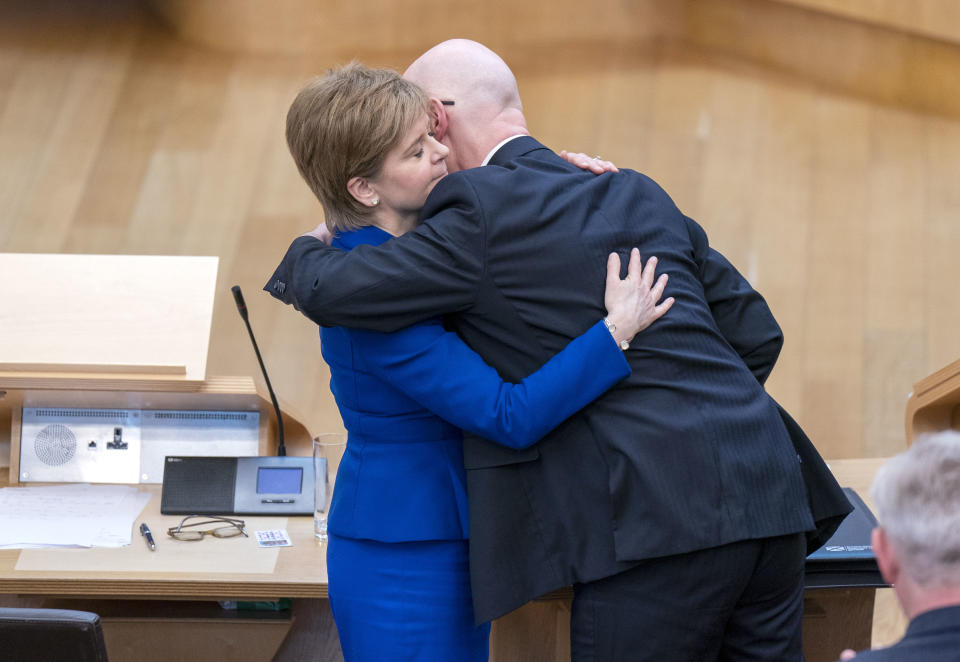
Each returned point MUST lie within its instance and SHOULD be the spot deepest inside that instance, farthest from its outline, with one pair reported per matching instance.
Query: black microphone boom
(242, 307)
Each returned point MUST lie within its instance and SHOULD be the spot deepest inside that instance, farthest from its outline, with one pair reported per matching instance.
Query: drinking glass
(327, 452)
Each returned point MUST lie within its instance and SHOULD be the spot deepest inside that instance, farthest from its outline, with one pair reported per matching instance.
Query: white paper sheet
(69, 515)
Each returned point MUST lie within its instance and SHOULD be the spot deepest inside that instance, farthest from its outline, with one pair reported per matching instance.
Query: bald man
(676, 505)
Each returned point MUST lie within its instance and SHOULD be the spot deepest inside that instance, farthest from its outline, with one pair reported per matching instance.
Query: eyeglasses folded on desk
(219, 527)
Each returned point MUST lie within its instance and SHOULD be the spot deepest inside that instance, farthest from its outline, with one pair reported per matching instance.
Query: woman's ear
(362, 191)
(439, 122)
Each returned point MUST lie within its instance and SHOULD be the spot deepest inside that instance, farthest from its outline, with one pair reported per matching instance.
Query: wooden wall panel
(941, 266)
(933, 18)
(780, 203)
(115, 136)
(322, 26)
(832, 376)
(894, 241)
(889, 65)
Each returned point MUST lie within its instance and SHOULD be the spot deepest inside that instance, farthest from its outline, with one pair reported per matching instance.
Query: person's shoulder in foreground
(932, 636)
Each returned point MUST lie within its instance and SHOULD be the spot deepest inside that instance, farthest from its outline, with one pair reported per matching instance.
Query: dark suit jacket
(932, 636)
(687, 453)
(404, 398)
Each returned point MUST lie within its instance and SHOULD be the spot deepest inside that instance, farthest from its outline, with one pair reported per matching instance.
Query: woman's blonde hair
(342, 125)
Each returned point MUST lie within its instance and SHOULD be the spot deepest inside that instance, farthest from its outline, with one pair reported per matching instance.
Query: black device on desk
(847, 560)
(237, 485)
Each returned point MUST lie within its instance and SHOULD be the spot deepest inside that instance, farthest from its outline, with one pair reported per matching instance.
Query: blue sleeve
(741, 313)
(438, 370)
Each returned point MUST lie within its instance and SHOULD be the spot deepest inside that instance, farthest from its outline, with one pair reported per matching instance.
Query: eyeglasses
(447, 102)
(223, 527)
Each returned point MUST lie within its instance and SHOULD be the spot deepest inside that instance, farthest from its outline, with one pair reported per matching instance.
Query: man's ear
(362, 191)
(439, 122)
(886, 556)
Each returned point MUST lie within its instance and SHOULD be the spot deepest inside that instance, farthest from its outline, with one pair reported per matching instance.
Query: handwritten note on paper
(69, 515)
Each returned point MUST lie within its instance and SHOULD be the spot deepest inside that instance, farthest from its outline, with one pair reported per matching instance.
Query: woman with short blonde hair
(341, 125)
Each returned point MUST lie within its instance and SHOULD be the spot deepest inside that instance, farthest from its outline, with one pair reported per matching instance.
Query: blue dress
(397, 556)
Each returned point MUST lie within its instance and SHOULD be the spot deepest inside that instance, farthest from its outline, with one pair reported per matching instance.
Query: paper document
(69, 515)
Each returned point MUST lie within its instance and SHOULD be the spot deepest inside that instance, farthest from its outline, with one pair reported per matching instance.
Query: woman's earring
(375, 201)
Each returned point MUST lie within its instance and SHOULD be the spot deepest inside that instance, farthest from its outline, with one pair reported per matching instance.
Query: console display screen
(279, 480)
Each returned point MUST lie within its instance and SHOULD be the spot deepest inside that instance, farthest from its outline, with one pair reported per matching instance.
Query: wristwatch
(611, 327)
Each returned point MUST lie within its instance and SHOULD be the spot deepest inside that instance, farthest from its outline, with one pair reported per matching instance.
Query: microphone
(242, 308)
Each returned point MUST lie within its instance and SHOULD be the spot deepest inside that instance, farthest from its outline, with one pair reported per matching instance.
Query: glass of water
(327, 451)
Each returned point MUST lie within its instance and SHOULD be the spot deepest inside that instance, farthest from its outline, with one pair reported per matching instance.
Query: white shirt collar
(502, 143)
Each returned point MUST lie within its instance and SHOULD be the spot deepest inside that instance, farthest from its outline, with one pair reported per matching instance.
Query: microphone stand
(242, 308)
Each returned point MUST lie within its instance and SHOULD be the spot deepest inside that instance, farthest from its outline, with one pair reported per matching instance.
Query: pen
(145, 532)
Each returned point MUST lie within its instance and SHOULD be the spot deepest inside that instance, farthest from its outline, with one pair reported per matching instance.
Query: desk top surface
(212, 568)
(235, 568)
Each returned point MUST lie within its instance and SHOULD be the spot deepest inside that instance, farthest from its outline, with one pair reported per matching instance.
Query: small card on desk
(273, 538)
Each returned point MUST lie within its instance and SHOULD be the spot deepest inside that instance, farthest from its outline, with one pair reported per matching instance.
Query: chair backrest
(51, 635)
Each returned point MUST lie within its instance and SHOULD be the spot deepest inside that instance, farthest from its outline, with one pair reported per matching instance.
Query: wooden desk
(300, 571)
(108, 579)
(537, 632)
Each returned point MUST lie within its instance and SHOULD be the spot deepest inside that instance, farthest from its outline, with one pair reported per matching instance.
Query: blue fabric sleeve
(438, 370)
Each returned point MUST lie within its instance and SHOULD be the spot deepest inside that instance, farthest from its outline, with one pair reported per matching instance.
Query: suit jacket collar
(515, 149)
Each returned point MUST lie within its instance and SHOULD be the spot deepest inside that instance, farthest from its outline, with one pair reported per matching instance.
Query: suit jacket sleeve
(740, 312)
(431, 271)
(438, 370)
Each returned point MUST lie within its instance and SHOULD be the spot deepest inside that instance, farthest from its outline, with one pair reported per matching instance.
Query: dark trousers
(742, 601)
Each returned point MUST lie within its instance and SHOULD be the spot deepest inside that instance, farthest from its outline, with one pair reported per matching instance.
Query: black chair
(51, 635)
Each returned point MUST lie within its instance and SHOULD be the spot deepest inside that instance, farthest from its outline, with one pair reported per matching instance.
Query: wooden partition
(896, 51)
(935, 403)
(888, 61)
(329, 27)
(939, 19)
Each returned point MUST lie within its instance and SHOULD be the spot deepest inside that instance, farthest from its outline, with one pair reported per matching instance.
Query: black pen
(145, 532)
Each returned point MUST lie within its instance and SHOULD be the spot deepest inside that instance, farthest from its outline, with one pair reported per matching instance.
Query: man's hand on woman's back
(594, 164)
(320, 232)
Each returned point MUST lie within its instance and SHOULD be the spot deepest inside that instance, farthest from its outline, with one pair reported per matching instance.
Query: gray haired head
(917, 498)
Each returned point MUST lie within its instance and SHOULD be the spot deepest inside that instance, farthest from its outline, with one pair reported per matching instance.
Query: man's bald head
(487, 107)
(464, 69)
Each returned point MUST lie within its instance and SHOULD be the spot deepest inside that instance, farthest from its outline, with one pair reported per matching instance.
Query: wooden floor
(115, 137)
